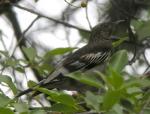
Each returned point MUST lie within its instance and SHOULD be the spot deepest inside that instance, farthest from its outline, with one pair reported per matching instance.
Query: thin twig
(52, 19)
(5, 48)
(3, 43)
(132, 38)
(87, 17)
(147, 62)
(22, 36)
(71, 4)
(67, 37)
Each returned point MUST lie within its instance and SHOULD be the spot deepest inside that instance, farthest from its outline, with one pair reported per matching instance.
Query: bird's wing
(95, 58)
(88, 61)
(84, 59)
(55, 74)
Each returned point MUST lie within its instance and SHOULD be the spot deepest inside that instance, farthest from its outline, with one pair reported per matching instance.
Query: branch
(87, 17)
(147, 62)
(52, 19)
(12, 18)
(23, 34)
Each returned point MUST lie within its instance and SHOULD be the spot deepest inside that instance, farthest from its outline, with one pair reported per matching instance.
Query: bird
(95, 52)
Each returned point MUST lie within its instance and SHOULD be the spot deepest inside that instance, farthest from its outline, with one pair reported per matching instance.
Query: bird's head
(104, 30)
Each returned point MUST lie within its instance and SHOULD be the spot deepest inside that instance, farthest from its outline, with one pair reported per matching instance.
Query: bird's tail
(50, 78)
(55, 74)
(28, 90)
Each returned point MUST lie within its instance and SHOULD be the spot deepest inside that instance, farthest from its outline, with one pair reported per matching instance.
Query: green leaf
(60, 51)
(132, 90)
(146, 111)
(120, 41)
(65, 99)
(93, 100)
(63, 108)
(86, 79)
(5, 53)
(59, 97)
(104, 78)
(6, 79)
(119, 60)
(137, 24)
(110, 99)
(118, 109)
(111, 112)
(21, 107)
(142, 28)
(11, 62)
(137, 82)
(31, 83)
(4, 100)
(44, 69)
(6, 111)
(30, 53)
(144, 82)
(115, 79)
(37, 112)
(20, 69)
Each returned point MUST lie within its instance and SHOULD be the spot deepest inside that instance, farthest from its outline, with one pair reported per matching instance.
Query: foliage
(119, 93)
(112, 91)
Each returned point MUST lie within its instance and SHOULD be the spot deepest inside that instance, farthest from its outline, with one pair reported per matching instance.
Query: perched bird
(96, 52)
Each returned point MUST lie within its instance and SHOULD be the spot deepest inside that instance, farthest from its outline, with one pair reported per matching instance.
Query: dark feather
(89, 55)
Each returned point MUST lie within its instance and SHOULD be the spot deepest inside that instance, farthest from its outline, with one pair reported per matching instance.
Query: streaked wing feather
(95, 58)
